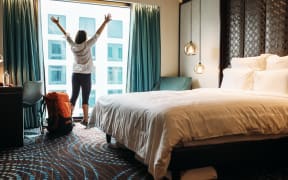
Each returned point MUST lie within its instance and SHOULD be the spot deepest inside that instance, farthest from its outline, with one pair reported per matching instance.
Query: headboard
(251, 28)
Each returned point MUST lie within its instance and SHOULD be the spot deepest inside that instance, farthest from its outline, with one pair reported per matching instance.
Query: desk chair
(32, 94)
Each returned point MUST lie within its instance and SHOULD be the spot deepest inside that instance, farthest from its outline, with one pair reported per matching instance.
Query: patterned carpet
(84, 154)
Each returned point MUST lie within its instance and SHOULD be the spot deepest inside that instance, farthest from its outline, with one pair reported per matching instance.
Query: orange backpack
(59, 112)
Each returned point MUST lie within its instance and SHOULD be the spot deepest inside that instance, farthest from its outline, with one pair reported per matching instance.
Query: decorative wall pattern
(277, 27)
(232, 34)
(252, 27)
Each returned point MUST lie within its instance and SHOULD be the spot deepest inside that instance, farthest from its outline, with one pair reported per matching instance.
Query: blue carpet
(84, 154)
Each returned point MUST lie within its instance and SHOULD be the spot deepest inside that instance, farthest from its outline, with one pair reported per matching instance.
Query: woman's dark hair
(80, 36)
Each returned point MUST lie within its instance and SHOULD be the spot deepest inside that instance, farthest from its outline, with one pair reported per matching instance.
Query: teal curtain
(144, 56)
(23, 58)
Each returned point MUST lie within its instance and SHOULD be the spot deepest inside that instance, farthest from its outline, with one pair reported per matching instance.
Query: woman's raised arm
(106, 20)
(56, 21)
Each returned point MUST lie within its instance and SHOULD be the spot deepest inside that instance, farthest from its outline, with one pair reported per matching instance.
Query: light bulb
(190, 49)
(199, 68)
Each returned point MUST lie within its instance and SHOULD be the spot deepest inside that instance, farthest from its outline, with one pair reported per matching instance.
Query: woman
(83, 65)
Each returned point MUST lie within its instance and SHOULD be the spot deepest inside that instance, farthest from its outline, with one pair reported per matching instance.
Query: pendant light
(199, 68)
(190, 48)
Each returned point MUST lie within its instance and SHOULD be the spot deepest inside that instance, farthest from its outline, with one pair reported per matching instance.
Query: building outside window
(115, 75)
(52, 29)
(57, 75)
(87, 24)
(115, 52)
(115, 29)
(56, 50)
(114, 91)
(109, 54)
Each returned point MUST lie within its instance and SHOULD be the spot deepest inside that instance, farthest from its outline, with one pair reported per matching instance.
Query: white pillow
(255, 63)
(266, 55)
(237, 79)
(275, 81)
(276, 62)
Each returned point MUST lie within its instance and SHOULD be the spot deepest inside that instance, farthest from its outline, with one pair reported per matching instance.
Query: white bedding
(152, 123)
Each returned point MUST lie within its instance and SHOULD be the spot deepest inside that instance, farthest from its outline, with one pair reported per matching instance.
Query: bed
(162, 127)
(245, 120)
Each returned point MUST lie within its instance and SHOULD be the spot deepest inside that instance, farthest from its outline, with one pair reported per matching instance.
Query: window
(56, 50)
(92, 100)
(114, 52)
(93, 78)
(93, 53)
(87, 24)
(114, 91)
(115, 29)
(57, 75)
(58, 90)
(52, 29)
(114, 75)
(109, 54)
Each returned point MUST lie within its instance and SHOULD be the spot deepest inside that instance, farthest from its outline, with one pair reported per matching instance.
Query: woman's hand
(53, 19)
(107, 18)
(56, 21)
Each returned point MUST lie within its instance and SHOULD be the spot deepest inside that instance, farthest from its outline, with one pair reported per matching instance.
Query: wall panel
(277, 27)
(252, 27)
(255, 26)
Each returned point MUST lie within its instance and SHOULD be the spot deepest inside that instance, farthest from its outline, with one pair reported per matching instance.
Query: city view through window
(109, 53)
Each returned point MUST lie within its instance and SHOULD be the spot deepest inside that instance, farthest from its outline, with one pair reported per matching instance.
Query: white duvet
(152, 123)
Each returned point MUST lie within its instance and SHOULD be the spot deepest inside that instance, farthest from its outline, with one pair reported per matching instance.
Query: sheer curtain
(144, 56)
(22, 51)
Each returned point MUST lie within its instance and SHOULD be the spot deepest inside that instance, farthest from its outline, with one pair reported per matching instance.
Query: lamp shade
(199, 68)
(190, 49)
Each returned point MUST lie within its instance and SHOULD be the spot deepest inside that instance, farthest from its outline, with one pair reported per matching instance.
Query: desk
(11, 117)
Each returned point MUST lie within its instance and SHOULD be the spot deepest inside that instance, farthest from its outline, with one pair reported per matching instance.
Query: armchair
(174, 83)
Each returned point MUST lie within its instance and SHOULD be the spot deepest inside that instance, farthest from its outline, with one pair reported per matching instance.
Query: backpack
(59, 113)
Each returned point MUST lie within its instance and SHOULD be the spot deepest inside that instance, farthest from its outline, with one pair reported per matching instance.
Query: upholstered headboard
(251, 28)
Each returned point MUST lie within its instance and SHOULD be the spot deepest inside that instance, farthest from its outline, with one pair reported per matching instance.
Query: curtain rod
(101, 2)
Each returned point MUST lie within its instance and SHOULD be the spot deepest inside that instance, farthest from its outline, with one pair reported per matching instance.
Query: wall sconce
(189, 48)
(199, 68)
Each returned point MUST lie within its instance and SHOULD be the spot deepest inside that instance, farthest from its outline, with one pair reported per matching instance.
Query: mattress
(152, 123)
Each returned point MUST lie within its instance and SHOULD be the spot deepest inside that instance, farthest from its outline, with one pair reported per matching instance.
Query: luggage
(59, 113)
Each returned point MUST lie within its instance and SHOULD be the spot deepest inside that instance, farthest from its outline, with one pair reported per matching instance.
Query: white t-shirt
(82, 54)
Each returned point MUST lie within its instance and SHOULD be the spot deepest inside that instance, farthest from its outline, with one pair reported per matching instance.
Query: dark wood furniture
(260, 153)
(11, 113)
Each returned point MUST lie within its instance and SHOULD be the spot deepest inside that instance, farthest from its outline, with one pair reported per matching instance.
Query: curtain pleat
(22, 56)
(144, 56)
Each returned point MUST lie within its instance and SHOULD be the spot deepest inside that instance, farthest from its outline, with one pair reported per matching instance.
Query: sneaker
(84, 123)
